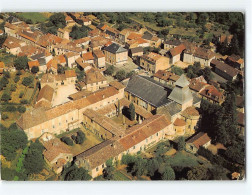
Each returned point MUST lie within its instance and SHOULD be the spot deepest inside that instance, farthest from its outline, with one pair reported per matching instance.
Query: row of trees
(56, 21)
(119, 75)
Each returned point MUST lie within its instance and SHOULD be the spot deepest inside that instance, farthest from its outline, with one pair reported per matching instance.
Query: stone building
(196, 141)
(115, 54)
(154, 62)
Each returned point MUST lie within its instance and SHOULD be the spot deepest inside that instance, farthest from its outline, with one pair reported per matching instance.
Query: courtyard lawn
(12, 118)
(90, 141)
(183, 159)
(35, 17)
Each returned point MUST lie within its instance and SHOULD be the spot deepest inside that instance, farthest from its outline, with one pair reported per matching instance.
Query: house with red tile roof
(201, 139)
(175, 54)
(33, 63)
(88, 57)
(99, 59)
(154, 62)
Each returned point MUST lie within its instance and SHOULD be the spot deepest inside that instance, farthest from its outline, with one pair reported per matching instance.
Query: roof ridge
(151, 81)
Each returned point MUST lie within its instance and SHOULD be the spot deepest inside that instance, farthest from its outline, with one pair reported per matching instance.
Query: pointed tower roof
(181, 93)
(182, 81)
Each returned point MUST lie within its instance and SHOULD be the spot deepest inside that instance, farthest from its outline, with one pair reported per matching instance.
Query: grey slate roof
(148, 90)
(147, 35)
(40, 57)
(181, 93)
(170, 109)
(136, 50)
(182, 81)
(196, 99)
(115, 48)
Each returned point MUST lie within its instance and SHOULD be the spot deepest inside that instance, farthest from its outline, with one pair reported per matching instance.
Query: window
(134, 147)
(66, 121)
(157, 134)
(103, 166)
(72, 118)
(97, 168)
(146, 140)
(53, 126)
(59, 124)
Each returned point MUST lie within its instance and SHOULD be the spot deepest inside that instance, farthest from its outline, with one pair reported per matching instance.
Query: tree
(12, 139)
(79, 138)
(198, 173)
(2, 39)
(6, 97)
(80, 74)
(67, 141)
(34, 161)
(207, 74)
(132, 111)
(79, 32)
(236, 153)
(120, 75)
(74, 173)
(21, 109)
(152, 166)
(181, 143)
(10, 108)
(234, 45)
(34, 69)
(139, 167)
(108, 172)
(60, 69)
(168, 173)
(16, 79)
(21, 63)
(4, 116)
(13, 87)
(27, 81)
(177, 70)
(6, 74)
(58, 20)
(21, 94)
(110, 70)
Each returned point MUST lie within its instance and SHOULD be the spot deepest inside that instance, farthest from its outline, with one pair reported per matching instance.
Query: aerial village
(104, 96)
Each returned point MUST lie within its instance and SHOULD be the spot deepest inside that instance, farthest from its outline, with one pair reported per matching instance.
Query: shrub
(10, 109)
(21, 109)
(16, 79)
(181, 143)
(6, 97)
(120, 75)
(67, 141)
(27, 81)
(24, 101)
(21, 94)
(13, 87)
(4, 116)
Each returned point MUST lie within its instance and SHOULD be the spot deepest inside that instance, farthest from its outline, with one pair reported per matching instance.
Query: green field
(118, 176)
(36, 17)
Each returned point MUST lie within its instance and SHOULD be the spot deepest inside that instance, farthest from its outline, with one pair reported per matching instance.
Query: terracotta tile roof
(164, 75)
(80, 62)
(2, 65)
(46, 93)
(40, 115)
(177, 50)
(55, 61)
(87, 56)
(225, 67)
(12, 42)
(211, 92)
(9, 25)
(199, 139)
(70, 73)
(152, 57)
(47, 78)
(134, 35)
(82, 40)
(140, 132)
(197, 85)
(30, 50)
(240, 101)
(190, 111)
(179, 122)
(71, 54)
(80, 94)
(94, 32)
(103, 26)
(33, 63)
(105, 122)
(98, 53)
(100, 153)
(228, 37)
(94, 76)
(53, 148)
(43, 103)
(117, 85)
(126, 31)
